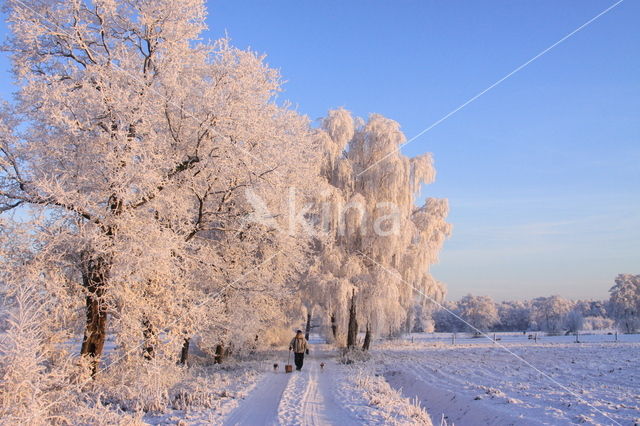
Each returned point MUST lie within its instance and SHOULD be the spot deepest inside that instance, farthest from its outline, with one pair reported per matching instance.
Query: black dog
(275, 366)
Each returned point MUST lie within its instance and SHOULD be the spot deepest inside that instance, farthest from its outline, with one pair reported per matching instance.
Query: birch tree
(382, 243)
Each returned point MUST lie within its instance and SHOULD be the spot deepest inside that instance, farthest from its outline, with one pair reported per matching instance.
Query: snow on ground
(210, 397)
(383, 404)
(472, 382)
(478, 382)
(252, 393)
(334, 395)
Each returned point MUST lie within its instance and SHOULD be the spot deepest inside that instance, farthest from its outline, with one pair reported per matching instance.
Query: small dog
(275, 367)
(322, 366)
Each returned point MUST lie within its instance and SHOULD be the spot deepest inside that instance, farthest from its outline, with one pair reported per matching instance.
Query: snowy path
(261, 406)
(304, 397)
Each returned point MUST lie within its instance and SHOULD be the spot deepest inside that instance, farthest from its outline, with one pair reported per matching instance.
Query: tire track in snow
(323, 396)
(302, 398)
(289, 409)
(261, 406)
(310, 398)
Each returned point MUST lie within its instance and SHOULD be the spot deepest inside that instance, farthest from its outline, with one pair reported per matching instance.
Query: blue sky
(542, 173)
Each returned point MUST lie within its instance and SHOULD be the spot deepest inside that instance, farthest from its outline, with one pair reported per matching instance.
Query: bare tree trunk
(352, 332)
(184, 352)
(94, 277)
(95, 332)
(334, 326)
(307, 329)
(149, 340)
(254, 347)
(367, 339)
(408, 325)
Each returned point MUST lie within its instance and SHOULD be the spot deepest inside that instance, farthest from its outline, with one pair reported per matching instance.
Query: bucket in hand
(288, 368)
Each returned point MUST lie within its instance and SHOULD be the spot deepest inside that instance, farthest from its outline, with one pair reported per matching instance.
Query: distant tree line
(553, 314)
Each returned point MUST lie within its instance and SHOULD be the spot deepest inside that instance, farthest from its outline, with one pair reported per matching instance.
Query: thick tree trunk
(95, 333)
(367, 339)
(94, 277)
(184, 352)
(307, 329)
(334, 326)
(219, 356)
(352, 332)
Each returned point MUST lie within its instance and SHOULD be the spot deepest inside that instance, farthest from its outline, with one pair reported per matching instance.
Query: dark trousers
(299, 359)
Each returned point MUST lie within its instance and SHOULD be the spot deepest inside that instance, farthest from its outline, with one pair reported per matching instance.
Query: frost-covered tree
(550, 313)
(591, 308)
(625, 302)
(478, 311)
(596, 308)
(574, 321)
(381, 244)
(130, 149)
(589, 315)
(446, 321)
(514, 315)
(421, 317)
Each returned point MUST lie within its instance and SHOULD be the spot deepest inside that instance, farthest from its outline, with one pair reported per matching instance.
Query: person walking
(299, 346)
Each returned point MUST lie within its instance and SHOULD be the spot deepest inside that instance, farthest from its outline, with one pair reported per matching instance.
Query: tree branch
(46, 201)
(180, 167)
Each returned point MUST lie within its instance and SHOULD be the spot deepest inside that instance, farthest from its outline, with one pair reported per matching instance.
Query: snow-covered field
(424, 376)
(517, 380)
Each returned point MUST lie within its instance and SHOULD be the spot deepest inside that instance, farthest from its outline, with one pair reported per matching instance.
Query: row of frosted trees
(153, 191)
(552, 314)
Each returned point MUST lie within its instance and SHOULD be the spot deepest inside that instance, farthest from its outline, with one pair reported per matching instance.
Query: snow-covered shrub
(141, 386)
(95, 413)
(196, 393)
(5, 314)
(352, 356)
(41, 383)
(393, 407)
(429, 326)
(28, 386)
